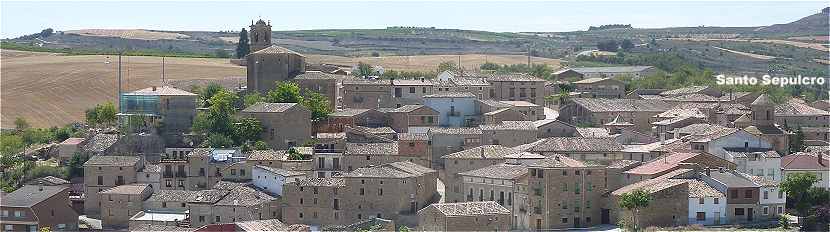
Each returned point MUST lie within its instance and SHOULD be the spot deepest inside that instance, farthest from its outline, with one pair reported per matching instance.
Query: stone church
(269, 63)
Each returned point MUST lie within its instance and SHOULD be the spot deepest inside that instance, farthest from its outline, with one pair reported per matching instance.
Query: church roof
(274, 49)
(762, 100)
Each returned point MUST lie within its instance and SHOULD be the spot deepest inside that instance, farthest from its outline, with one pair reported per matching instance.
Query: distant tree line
(613, 45)
(609, 26)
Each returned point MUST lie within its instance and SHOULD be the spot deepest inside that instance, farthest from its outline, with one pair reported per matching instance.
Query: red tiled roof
(662, 164)
(804, 161)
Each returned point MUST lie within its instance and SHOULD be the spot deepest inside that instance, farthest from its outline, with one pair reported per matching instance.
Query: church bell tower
(260, 35)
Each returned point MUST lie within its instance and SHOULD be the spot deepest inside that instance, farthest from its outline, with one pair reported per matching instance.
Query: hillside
(812, 25)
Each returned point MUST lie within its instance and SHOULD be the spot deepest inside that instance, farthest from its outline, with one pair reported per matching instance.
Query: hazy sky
(19, 18)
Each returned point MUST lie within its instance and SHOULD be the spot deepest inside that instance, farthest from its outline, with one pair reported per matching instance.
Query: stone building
(598, 111)
(794, 114)
(35, 207)
(516, 87)
(600, 88)
(120, 203)
(763, 124)
(284, 124)
(417, 117)
(269, 65)
(323, 83)
(532, 111)
(260, 35)
(566, 193)
(410, 92)
(467, 216)
(509, 133)
(506, 184)
(166, 108)
(603, 150)
(315, 201)
(467, 160)
(105, 172)
(456, 109)
(367, 94)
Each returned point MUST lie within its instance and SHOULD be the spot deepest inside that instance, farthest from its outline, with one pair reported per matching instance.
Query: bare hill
(816, 24)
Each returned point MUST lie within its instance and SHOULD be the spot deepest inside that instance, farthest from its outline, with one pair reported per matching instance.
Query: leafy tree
(540, 71)
(797, 141)
(206, 93)
(797, 186)
(221, 53)
(251, 99)
(75, 167)
(242, 47)
(46, 32)
(317, 104)
(286, 92)
(626, 44)
(106, 113)
(36, 136)
(260, 145)
(363, 70)
(247, 129)
(42, 171)
(10, 144)
(489, 66)
(447, 65)
(608, 45)
(21, 124)
(634, 201)
(218, 141)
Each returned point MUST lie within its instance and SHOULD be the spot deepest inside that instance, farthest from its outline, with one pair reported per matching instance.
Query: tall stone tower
(260, 35)
(763, 111)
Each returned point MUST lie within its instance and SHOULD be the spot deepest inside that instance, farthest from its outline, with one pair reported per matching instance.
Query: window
(780, 209)
(541, 173)
(564, 187)
(201, 218)
(702, 200)
(412, 89)
(301, 215)
(766, 195)
(164, 204)
(362, 191)
(564, 172)
(5, 213)
(564, 220)
(184, 205)
(716, 200)
(380, 192)
(739, 211)
(19, 214)
(748, 193)
(100, 180)
(9, 228)
(766, 210)
(233, 171)
(301, 201)
(701, 216)
(733, 193)
(780, 194)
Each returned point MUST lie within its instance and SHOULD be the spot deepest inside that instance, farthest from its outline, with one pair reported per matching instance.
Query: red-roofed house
(68, 147)
(817, 163)
(671, 162)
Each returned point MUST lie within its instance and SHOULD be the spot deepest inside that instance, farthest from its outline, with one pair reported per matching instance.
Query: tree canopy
(242, 47)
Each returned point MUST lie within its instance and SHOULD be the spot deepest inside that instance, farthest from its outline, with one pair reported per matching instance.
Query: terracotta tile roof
(168, 195)
(591, 80)
(593, 132)
(29, 195)
(161, 91)
(413, 136)
(112, 160)
(732, 179)
(765, 130)
(795, 108)
(101, 142)
(126, 189)
(49, 180)
(245, 196)
(262, 107)
(371, 149)
(455, 130)
(624, 164)
(362, 81)
(576, 144)
(228, 185)
(451, 95)
(424, 82)
(662, 164)
(805, 161)
(348, 112)
(339, 135)
(655, 184)
(622, 105)
(694, 97)
(681, 112)
(699, 129)
(404, 169)
(411, 168)
(498, 171)
(761, 181)
(472, 208)
(509, 125)
(698, 189)
(684, 90)
(511, 77)
(262, 225)
(377, 130)
(762, 100)
(274, 49)
(280, 171)
(406, 108)
(266, 155)
(740, 152)
(483, 152)
(558, 161)
(73, 141)
(612, 69)
(494, 103)
(320, 182)
(519, 103)
(317, 75)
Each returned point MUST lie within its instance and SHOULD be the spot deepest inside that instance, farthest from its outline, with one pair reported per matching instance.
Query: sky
(19, 18)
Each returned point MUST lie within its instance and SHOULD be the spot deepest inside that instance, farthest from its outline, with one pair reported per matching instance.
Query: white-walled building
(707, 205)
(271, 179)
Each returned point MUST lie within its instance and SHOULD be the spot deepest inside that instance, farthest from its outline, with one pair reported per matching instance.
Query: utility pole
(528, 56)
(162, 71)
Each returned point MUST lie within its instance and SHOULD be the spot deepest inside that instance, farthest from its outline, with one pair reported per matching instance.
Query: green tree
(797, 141)
(242, 47)
(91, 117)
(75, 167)
(317, 104)
(10, 144)
(21, 124)
(246, 130)
(286, 92)
(206, 93)
(447, 65)
(797, 186)
(218, 141)
(626, 44)
(106, 114)
(251, 99)
(363, 70)
(261, 145)
(634, 201)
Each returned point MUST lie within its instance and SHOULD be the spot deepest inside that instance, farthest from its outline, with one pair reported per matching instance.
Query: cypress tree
(243, 48)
